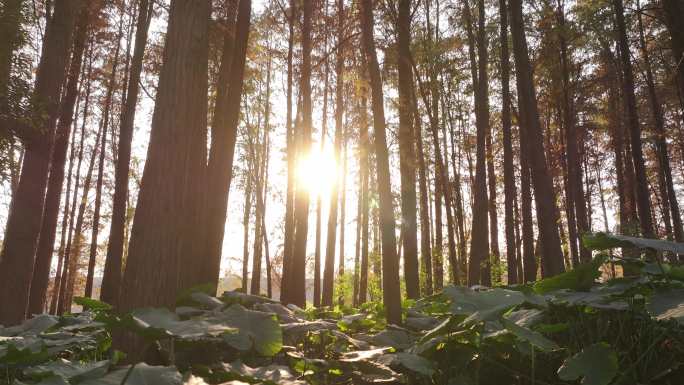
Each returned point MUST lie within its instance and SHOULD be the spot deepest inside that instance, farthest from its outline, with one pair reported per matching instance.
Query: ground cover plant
(570, 328)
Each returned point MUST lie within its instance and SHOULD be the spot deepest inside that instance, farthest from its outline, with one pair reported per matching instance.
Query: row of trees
(588, 77)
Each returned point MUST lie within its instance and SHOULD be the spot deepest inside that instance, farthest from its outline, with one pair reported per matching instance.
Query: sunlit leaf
(596, 364)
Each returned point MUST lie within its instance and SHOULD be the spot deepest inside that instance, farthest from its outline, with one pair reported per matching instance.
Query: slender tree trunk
(364, 173)
(223, 138)
(667, 191)
(291, 154)
(25, 217)
(100, 169)
(552, 262)
(510, 193)
(46, 241)
(245, 225)
(390, 264)
(61, 279)
(111, 281)
(642, 195)
(73, 250)
(297, 281)
(425, 247)
(407, 157)
(478, 266)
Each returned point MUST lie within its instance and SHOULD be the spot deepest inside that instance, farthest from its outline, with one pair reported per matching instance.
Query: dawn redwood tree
(165, 238)
(643, 202)
(390, 264)
(223, 138)
(407, 156)
(364, 172)
(73, 250)
(46, 241)
(329, 269)
(25, 217)
(552, 255)
(111, 85)
(508, 167)
(297, 280)
(671, 214)
(478, 265)
(577, 210)
(111, 280)
(425, 247)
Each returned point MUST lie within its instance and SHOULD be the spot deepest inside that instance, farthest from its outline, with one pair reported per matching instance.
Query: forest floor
(567, 329)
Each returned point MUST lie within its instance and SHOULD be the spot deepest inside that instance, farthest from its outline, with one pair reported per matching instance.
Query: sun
(318, 171)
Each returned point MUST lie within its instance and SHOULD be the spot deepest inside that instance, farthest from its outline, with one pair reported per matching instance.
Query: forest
(292, 192)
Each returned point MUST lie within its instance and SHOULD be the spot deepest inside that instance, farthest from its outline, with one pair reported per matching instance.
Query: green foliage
(566, 329)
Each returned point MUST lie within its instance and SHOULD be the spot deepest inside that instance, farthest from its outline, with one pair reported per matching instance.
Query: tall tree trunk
(478, 266)
(60, 279)
(577, 219)
(343, 202)
(390, 264)
(407, 156)
(552, 262)
(297, 281)
(425, 249)
(364, 174)
(46, 241)
(510, 194)
(173, 167)
(73, 249)
(223, 138)
(667, 191)
(100, 169)
(642, 195)
(111, 280)
(25, 217)
(288, 236)
(245, 224)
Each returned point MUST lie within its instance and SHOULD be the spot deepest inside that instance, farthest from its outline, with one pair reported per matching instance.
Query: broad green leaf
(482, 305)
(409, 361)
(92, 304)
(261, 329)
(364, 355)
(141, 374)
(580, 278)
(70, 371)
(33, 326)
(529, 335)
(277, 374)
(192, 329)
(666, 305)
(604, 241)
(395, 338)
(596, 364)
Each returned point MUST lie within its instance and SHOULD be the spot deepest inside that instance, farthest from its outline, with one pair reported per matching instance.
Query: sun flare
(318, 171)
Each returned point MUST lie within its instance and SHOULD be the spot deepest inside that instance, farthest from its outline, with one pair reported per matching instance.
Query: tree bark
(173, 173)
(642, 195)
(223, 138)
(552, 262)
(25, 217)
(425, 247)
(510, 193)
(479, 266)
(671, 213)
(672, 10)
(111, 281)
(298, 273)
(390, 264)
(364, 171)
(46, 241)
(100, 169)
(407, 156)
